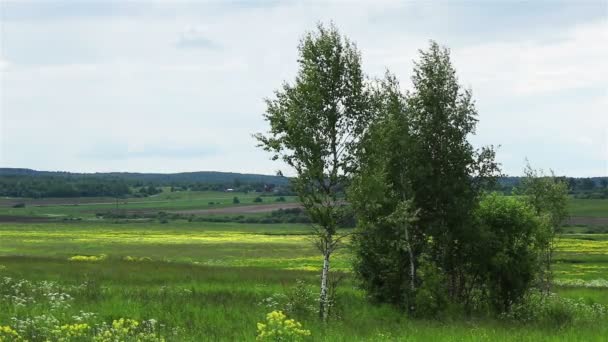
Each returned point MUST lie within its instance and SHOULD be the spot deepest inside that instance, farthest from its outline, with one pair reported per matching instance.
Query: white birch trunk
(412, 265)
(323, 298)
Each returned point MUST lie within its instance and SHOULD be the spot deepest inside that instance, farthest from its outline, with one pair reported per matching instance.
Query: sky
(175, 86)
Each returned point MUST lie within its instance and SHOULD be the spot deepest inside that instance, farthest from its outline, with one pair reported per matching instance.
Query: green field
(206, 281)
(588, 207)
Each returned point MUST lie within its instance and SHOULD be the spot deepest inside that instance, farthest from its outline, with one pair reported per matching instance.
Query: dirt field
(587, 221)
(246, 209)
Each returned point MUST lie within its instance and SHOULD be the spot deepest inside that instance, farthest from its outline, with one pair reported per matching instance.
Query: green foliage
(235, 200)
(419, 183)
(555, 311)
(39, 184)
(548, 195)
(431, 298)
(387, 240)
(315, 124)
(297, 301)
(258, 200)
(60, 186)
(506, 253)
(446, 173)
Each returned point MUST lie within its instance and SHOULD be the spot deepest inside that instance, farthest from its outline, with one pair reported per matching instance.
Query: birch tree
(387, 243)
(548, 195)
(315, 125)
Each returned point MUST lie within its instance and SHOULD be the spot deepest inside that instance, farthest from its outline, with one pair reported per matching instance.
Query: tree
(445, 173)
(418, 184)
(548, 195)
(387, 244)
(315, 125)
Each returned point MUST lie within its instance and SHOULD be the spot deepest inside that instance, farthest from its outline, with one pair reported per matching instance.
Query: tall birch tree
(315, 125)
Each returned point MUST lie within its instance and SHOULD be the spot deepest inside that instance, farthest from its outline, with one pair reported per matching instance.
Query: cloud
(196, 37)
(572, 59)
(115, 151)
(4, 64)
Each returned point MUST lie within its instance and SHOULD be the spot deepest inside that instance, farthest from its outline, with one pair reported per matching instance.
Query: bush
(235, 200)
(257, 200)
(506, 250)
(299, 301)
(19, 205)
(280, 199)
(554, 311)
(431, 296)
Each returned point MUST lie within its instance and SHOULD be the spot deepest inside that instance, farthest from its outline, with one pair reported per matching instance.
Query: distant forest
(38, 184)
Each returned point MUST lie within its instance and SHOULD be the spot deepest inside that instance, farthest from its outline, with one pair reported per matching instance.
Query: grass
(220, 303)
(588, 207)
(209, 278)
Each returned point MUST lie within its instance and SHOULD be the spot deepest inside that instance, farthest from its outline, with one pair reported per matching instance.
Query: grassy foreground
(206, 281)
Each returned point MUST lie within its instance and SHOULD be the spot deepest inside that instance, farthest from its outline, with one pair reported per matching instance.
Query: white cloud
(573, 58)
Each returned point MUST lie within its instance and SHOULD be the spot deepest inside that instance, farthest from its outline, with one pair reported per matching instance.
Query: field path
(243, 209)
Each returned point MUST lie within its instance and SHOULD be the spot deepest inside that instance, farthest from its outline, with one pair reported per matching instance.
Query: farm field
(198, 202)
(207, 281)
(87, 208)
(588, 207)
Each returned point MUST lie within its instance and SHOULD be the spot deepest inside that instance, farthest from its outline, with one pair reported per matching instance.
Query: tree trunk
(412, 264)
(323, 298)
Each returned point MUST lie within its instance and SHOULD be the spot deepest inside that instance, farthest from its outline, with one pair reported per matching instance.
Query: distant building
(229, 190)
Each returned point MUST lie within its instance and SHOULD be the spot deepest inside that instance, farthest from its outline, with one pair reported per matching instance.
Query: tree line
(431, 234)
(40, 184)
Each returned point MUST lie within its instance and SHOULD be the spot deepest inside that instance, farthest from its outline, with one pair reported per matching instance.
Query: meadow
(206, 281)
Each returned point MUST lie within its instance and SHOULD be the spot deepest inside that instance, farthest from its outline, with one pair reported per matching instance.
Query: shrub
(299, 301)
(554, 311)
(280, 199)
(278, 328)
(505, 254)
(257, 200)
(431, 296)
(19, 205)
(235, 200)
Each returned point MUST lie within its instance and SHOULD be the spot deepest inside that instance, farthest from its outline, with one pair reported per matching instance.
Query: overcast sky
(170, 86)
